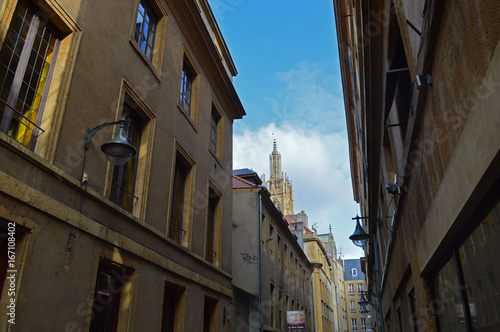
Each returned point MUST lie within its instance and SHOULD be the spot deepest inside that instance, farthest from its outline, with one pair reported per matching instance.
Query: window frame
(14, 97)
(360, 288)
(179, 300)
(155, 61)
(216, 145)
(148, 13)
(116, 195)
(352, 306)
(124, 281)
(354, 324)
(186, 91)
(144, 154)
(216, 226)
(210, 314)
(52, 116)
(180, 155)
(189, 63)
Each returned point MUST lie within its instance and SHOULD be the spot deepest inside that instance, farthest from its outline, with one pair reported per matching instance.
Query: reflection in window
(477, 266)
(186, 89)
(145, 28)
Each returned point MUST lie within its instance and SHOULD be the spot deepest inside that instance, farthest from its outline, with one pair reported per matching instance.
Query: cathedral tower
(279, 186)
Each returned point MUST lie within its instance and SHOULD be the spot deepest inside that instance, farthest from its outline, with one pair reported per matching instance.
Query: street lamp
(363, 302)
(360, 237)
(118, 151)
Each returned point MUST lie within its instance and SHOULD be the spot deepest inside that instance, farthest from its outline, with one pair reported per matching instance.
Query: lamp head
(359, 237)
(119, 151)
(363, 301)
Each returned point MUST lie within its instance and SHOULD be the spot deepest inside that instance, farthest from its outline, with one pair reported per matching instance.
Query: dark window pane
(178, 202)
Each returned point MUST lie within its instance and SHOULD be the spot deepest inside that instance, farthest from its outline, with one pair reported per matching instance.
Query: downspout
(314, 315)
(261, 272)
(346, 310)
(379, 290)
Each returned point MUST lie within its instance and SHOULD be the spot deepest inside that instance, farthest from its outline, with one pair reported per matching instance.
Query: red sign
(295, 320)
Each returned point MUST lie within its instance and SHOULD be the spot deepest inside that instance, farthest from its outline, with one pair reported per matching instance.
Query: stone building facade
(355, 285)
(337, 277)
(323, 282)
(271, 273)
(136, 246)
(420, 82)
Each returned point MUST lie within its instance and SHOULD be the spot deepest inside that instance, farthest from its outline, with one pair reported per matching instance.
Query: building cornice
(193, 26)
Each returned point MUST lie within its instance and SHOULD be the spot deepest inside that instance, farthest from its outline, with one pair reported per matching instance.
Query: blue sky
(289, 82)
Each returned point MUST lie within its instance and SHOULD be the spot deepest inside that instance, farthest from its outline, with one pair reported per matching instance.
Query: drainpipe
(314, 315)
(261, 272)
(379, 290)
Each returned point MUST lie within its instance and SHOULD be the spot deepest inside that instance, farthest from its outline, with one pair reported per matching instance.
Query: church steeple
(275, 161)
(279, 186)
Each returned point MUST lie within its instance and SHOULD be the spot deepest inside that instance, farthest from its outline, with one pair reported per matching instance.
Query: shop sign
(295, 320)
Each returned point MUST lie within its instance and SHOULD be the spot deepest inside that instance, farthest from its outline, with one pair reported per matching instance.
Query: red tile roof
(242, 183)
(307, 230)
(289, 219)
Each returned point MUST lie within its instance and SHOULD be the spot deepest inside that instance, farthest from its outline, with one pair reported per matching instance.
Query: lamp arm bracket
(89, 133)
(379, 221)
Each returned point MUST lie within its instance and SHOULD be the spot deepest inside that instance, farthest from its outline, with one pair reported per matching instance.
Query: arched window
(354, 272)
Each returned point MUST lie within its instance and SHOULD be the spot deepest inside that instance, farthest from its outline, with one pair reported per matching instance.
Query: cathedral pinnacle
(279, 185)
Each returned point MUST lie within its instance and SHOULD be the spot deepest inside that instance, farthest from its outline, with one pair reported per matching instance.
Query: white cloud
(318, 166)
(308, 95)
(308, 122)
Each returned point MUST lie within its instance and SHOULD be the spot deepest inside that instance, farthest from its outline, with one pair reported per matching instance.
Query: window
(216, 133)
(354, 272)
(296, 271)
(400, 319)
(111, 281)
(280, 252)
(470, 273)
(351, 289)
(271, 241)
(145, 28)
(210, 315)
(176, 217)
(414, 313)
(127, 185)
(354, 324)
(186, 89)
(363, 324)
(352, 306)
(286, 258)
(182, 198)
(213, 225)
(124, 176)
(263, 228)
(281, 314)
(360, 288)
(273, 306)
(27, 63)
(172, 297)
